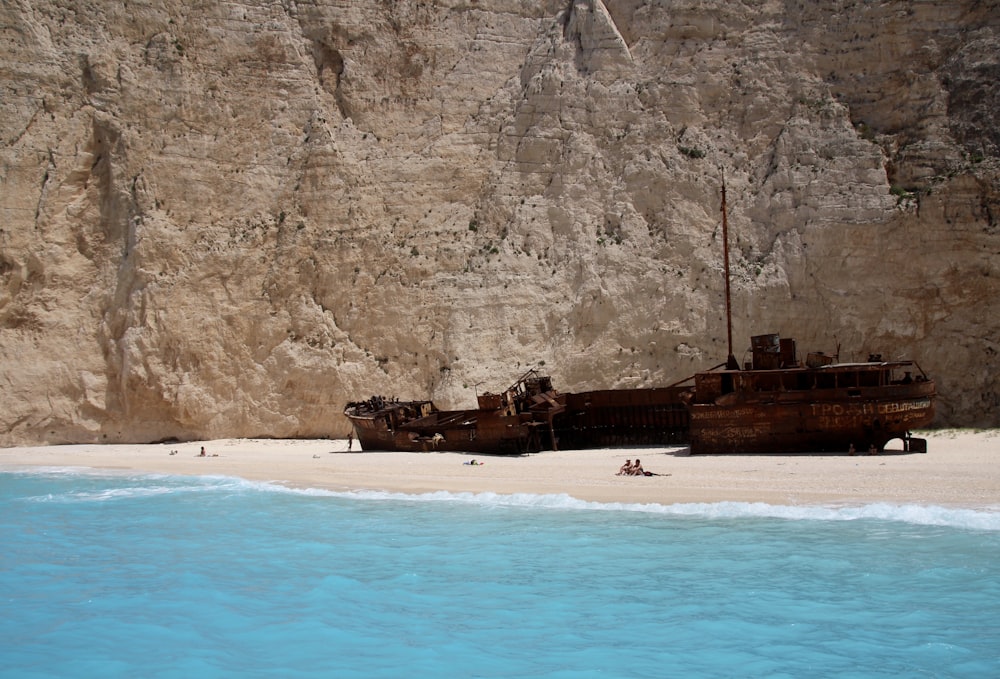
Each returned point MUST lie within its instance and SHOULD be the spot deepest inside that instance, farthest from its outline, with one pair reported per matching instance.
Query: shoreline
(959, 470)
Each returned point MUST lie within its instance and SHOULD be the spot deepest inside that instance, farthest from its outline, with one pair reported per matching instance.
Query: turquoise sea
(126, 575)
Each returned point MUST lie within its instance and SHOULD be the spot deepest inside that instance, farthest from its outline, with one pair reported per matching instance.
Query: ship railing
(922, 373)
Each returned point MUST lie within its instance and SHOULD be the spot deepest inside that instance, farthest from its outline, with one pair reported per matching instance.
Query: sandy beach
(960, 469)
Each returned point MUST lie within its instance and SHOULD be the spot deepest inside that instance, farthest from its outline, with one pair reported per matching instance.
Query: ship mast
(731, 363)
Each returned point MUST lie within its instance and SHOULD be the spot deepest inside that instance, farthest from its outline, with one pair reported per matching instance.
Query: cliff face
(228, 219)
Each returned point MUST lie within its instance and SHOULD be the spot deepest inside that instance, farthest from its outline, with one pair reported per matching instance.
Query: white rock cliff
(228, 219)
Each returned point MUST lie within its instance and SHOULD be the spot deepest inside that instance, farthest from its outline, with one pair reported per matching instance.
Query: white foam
(925, 515)
(139, 484)
(983, 519)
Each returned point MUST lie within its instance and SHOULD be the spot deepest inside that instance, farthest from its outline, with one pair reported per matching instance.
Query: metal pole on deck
(731, 363)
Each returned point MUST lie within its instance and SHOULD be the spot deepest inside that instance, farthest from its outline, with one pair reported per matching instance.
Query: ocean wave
(128, 484)
(924, 515)
(145, 484)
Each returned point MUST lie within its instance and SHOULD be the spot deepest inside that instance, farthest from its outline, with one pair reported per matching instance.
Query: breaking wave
(133, 485)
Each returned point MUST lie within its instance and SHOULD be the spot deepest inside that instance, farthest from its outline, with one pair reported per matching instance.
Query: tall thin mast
(731, 363)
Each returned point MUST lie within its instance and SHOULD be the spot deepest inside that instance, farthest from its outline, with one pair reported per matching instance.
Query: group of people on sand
(629, 469)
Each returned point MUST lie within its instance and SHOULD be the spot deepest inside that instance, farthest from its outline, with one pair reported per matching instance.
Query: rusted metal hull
(469, 431)
(623, 417)
(593, 419)
(815, 420)
(516, 421)
(775, 405)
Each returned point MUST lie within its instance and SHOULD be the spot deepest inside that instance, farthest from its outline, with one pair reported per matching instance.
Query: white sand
(961, 468)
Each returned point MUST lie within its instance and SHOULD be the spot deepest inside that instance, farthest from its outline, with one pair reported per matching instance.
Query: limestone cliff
(228, 219)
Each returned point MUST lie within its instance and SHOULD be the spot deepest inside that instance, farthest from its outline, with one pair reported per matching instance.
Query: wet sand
(961, 469)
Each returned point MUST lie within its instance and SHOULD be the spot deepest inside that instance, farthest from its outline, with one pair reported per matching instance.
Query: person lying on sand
(630, 469)
(475, 464)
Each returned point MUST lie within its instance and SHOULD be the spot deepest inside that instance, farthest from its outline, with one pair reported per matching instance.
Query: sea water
(123, 575)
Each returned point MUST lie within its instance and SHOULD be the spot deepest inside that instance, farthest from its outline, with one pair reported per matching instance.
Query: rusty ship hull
(470, 431)
(812, 420)
(516, 421)
(775, 405)
(623, 417)
(778, 405)
(516, 424)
